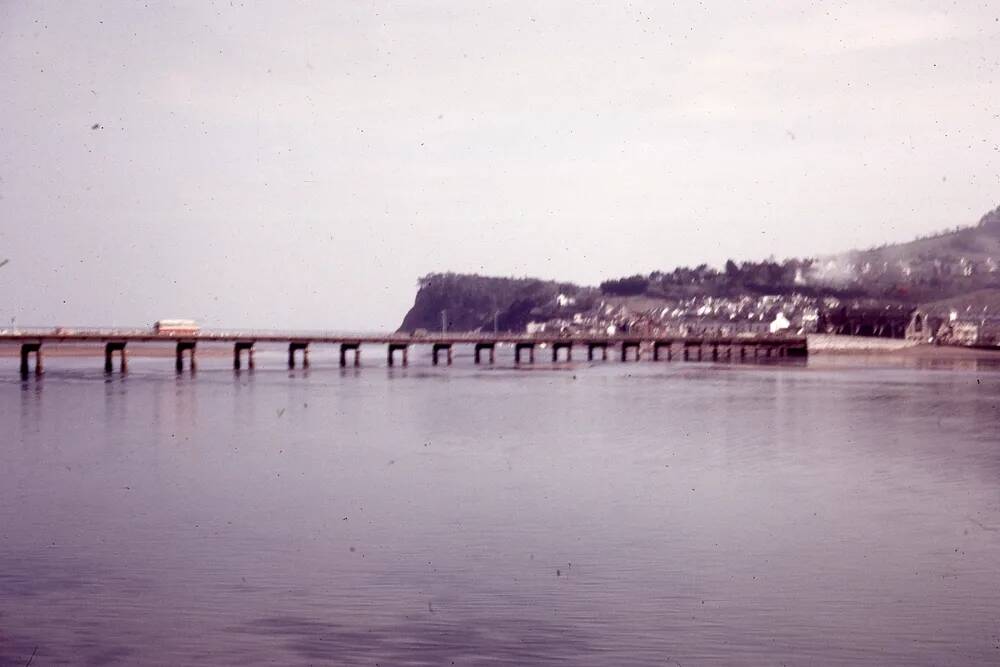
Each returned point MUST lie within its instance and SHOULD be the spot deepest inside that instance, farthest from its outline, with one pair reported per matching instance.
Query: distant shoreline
(919, 351)
(860, 346)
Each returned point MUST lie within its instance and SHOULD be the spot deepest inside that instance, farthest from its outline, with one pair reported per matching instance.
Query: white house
(780, 323)
(562, 300)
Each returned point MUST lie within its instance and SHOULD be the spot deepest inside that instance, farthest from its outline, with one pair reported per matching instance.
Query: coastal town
(941, 289)
(793, 314)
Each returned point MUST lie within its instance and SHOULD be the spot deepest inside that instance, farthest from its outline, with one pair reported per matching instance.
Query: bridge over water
(629, 347)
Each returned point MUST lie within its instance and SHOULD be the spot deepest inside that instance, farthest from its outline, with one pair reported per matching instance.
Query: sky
(300, 165)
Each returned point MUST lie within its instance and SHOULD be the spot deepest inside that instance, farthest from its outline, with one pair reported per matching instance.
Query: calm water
(617, 514)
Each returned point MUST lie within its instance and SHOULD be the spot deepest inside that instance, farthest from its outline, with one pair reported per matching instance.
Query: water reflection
(588, 514)
(427, 641)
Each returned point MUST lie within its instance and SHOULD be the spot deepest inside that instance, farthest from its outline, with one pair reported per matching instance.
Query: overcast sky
(300, 165)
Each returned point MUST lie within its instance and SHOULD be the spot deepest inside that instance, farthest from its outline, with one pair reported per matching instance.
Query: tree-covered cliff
(471, 302)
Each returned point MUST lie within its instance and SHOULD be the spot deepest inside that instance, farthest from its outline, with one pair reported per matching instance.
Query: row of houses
(713, 316)
(612, 319)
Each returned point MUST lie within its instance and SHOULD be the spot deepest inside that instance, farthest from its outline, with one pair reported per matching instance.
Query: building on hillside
(810, 320)
(780, 323)
(714, 326)
(989, 331)
(960, 331)
(866, 320)
(923, 326)
(563, 300)
(964, 330)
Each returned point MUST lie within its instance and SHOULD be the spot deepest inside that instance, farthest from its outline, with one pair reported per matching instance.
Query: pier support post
(294, 347)
(182, 347)
(440, 347)
(238, 349)
(559, 346)
(530, 347)
(602, 346)
(485, 346)
(697, 345)
(657, 345)
(26, 350)
(798, 349)
(402, 347)
(344, 348)
(109, 351)
(630, 344)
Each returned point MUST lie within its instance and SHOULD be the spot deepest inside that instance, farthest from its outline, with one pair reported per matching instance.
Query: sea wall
(820, 343)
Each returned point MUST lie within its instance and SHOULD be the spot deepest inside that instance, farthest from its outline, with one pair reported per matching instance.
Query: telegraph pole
(444, 321)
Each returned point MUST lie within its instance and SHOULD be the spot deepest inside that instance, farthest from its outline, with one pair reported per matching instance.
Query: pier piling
(345, 348)
(402, 347)
(28, 349)
(661, 344)
(490, 347)
(238, 349)
(182, 347)
(440, 347)
(597, 345)
(529, 347)
(626, 346)
(690, 346)
(562, 345)
(294, 347)
(109, 351)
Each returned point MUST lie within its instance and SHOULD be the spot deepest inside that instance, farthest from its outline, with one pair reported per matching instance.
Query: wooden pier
(629, 347)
